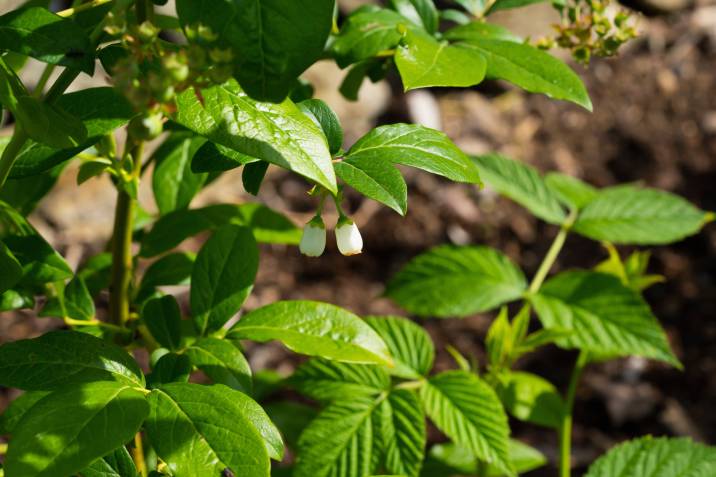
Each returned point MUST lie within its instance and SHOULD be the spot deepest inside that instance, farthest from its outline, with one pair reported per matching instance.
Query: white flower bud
(313, 240)
(348, 237)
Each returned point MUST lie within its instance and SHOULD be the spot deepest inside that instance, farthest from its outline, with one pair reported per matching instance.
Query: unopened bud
(146, 126)
(313, 240)
(348, 237)
(147, 32)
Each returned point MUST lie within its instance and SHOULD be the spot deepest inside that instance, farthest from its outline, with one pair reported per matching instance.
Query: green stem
(18, 139)
(122, 246)
(552, 254)
(565, 431)
(47, 72)
(101, 324)
(141, 11)
(85, 6)
(61, 84)
(138, 455)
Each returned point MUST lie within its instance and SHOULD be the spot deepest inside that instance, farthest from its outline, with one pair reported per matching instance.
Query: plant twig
(565, 430)
(122, 244)
(40, 87)
(80, 8)
(138, 455)
(100, 324)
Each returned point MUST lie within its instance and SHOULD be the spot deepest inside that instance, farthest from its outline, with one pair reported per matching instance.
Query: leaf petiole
(552, 253)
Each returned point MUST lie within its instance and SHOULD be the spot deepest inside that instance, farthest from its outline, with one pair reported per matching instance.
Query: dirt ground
(654, 121)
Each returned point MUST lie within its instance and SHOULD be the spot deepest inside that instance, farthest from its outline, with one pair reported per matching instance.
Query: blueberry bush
(219, 85)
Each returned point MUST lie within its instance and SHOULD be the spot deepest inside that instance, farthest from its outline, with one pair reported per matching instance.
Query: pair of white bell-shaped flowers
(348, 238)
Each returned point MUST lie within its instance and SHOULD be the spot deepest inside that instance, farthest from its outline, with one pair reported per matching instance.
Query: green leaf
(499, 340)
(420, 12)
(278, 133)
(203, 430)
(604, 316)
(402, 433)
(267, 225)
(162, 318)
(214, 158)
(572, 192)
(455, 16)
(632, 215)
(480, 30)
(58, 435)
(62, 358)
(522, 184)
(467, 410)
(632, 272)
(11, 269)
(474, 7)
(449, 459)
(73, 302)
(102, 110)
(409, 344)
(531, 398)
(25, 193)
(17, 409)
(223, 276)
(325, 380)
(40, 262)
(38, 33)
(222, 361)
(273, 41)
(656, 457)
(375, 179)
(531, 69)
(253, 175)
(326, 119)
(339, 441)
(368, 31)
(315, 329)
(416, 146)
(170, 368)
(508, 4)
(116, 464)
(96, 273)
(353, 80)
(11, 88)
(424, 61)
(16, 300)
(291, 418)
(49, 124)
(456, 281)
(173, 182)
(171, 269)
(91, 169)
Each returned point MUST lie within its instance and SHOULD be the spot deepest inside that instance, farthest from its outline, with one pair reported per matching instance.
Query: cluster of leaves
(89, 408)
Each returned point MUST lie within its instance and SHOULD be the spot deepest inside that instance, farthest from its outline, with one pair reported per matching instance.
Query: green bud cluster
(210, 60)
(588, 29)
